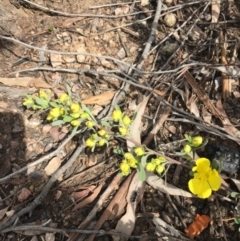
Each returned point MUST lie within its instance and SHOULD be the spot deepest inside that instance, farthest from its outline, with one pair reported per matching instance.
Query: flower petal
(203, 165)
(193, 185)
(200, 187)
(214, 180)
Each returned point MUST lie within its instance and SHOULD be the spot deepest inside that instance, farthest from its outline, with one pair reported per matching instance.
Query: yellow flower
(75, 122)
(89, 124)
(102, 132)
(28, 102)
(126, 120)
(43, 94)
(150, 166)
(123, 130)
(101, 142)
(64, 98)
(117, 115)
(187, 148)
(139, 151)
(205, 179)
(197, 141)
(55, 112)
(159, 169)
(125, 168)
(75, 107)
(90, 142)
(62, 111)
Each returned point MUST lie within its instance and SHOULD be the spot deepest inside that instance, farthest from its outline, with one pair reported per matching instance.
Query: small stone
(56, 60)
(81, 58)
(170, 19)
(121, 53)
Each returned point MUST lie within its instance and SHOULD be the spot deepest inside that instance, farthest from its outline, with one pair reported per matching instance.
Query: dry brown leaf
(89, 199)
(228, 126)
(25, 82)
(215, 11)
(237, 183)
(24, 194)
(53, 165)
(127, 223)
(77, 196)
(50, 237)
(159, 184)
(102, 99)
(3, 212)
(3, 105)
(135, 128)
(55, 133)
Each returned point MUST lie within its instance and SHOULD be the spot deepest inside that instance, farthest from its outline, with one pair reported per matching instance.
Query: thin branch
(80, 15)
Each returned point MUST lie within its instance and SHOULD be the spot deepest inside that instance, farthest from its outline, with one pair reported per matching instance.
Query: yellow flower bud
(159, 160)
(62, 111)
(90, 142)
(55, 112)
(125, 168)
(43, 94)
(117, 115)
(89, 124)
(101, 142)
(49, 117)
(123, 130)
(197, 141)
(106, 136)
(139, 151)
(126, 120)
(159, 169)
(187, 148)
(150, 167)
(64, 98)
(75, 122)
(128, 156)
(102, 132)
(75, 107)
(28, 102)
(132, 162)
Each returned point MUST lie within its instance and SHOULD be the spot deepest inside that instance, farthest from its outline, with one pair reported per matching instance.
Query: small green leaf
(74, 131)
(89, 111)
(58, 122)
(67, 118)
(235, 194)
(237, 220)
(69, 91)
(105, 123)
(40, 101)
(53, 104)
(116, 107)
(188, 138)
(118, 152)
(180, 153)
(141, 172)
(238, 207)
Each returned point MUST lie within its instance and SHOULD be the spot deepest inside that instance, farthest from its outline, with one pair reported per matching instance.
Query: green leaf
(105, 123)
(58, 123)
(141, 172)
(237, 220)
(89, 111)
(74, 131)
(235, 194)
(67, 118)
(40, 101)
(53, 104)
(189, 138)
(180, 153)
(69, 91)
(118, 152)
(238, 207)
(116, 107)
